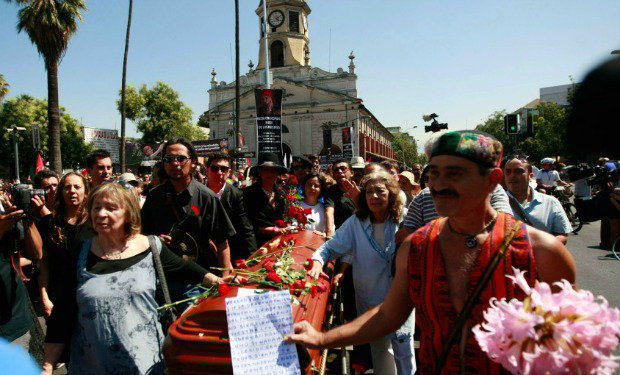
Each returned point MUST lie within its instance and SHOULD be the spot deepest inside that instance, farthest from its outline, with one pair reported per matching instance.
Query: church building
(316, 104)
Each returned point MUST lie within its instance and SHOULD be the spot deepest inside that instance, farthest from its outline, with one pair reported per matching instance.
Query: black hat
(270, 160)
(303, 160)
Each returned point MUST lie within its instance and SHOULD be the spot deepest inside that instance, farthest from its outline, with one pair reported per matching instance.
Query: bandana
(477, 146)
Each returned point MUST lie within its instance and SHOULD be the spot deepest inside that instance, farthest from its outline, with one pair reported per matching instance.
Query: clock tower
(287, 26)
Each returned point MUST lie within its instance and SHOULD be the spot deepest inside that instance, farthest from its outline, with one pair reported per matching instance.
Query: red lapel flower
(196, 211)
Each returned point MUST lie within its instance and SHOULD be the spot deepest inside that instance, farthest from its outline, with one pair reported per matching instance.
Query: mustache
(444, 192)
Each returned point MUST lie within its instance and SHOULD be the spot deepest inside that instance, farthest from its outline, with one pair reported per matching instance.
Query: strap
(473, 297)
(155, 244)
(517, 207)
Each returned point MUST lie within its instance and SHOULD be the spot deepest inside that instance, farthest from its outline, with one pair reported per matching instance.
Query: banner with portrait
(269, 121)
(347, 143)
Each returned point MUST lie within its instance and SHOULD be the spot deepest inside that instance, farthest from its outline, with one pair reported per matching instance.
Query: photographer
(17, 234)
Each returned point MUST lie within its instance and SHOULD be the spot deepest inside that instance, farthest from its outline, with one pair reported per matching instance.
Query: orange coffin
(198, 341)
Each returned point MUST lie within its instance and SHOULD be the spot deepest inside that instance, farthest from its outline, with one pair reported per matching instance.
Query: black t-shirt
(59, 256)
(212, 223)
(65, 308)
(343, 206)
(15, 317)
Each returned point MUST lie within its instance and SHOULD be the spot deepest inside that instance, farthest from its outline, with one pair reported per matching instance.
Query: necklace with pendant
(470, 239)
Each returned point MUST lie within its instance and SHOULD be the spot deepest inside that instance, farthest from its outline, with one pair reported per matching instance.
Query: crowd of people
(409, 245)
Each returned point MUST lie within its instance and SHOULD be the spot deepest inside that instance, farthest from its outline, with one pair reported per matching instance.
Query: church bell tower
(287, 25)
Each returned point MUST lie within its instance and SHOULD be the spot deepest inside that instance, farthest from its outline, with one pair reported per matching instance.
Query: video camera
(599, 206)
(23, 195)
(434, 126)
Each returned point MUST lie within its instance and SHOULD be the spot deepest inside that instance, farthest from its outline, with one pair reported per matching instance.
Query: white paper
(256, 326)
(242, 292)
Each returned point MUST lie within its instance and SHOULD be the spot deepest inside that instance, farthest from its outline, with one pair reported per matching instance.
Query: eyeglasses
(216, 168)
(172, 158)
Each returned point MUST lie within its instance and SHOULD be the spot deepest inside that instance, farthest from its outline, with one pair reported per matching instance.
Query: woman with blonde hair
(109, 308)
(366, 241)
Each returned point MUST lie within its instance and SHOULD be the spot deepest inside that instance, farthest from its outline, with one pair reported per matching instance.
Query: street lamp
(15, 130)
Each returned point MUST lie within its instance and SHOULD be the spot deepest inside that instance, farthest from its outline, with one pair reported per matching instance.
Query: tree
(550, 136)
(4, 88)
(123, 86)
(159, 114)
(49, 25)
(405, 150)
(27, 111)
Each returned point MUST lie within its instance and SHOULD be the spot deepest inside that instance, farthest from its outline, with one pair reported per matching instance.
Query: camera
(599, 206)
(22, 195)
(434, 126)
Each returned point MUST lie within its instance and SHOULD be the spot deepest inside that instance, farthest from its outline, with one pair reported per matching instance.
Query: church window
(277, 54)
(327, 138)
(293, 22)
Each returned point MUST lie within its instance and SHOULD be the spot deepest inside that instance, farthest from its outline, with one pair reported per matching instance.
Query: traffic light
(530, 125)
(511, 124)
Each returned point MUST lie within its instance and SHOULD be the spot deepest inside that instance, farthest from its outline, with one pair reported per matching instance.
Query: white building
(316, 104)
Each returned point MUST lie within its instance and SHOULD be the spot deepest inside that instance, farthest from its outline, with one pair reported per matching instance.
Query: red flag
(39, 164)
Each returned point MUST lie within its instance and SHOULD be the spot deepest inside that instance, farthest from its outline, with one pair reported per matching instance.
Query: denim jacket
(355, 244)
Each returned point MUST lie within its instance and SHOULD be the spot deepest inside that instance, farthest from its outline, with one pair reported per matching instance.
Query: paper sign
(256, 326)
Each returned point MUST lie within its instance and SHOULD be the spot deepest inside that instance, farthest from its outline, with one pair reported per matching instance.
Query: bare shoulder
(553, 260)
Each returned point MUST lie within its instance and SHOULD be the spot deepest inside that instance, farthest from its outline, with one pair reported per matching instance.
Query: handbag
(473, 297)
(168, 315)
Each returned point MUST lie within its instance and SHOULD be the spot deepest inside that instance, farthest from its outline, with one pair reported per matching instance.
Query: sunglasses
(172, 158)
(216, 168)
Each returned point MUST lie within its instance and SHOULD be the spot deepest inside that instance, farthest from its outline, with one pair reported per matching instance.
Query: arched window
(277, 54)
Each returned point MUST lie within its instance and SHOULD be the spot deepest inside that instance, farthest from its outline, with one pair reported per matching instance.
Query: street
(597, 270)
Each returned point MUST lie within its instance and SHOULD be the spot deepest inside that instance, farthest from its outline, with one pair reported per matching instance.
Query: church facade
(316, 104)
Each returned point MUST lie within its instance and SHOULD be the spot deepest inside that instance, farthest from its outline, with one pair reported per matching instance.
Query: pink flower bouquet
(565, 332)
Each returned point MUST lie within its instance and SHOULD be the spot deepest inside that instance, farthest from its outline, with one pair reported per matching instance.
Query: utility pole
(267, 85)
(237, 99)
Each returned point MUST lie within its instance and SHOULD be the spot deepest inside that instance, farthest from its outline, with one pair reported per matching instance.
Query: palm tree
(123, 85)
(4, 88)
(49, 25)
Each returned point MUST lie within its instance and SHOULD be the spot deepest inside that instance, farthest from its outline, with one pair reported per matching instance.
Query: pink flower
(565, 332)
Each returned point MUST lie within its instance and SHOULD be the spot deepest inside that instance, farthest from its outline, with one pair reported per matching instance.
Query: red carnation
(272, 276)
(242, 280)
(299, 284)
(322, 286)
(308, 211)
(308, 264)
(290, 198)
(302, 219)
(196, 211)
(313, 290)
(280, 223)
(268, 265)
(223, 289)
(292, 180)
(359, 369)
(240, 263)
(292, 212)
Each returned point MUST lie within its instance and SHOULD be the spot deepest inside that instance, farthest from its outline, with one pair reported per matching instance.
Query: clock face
(276, 18)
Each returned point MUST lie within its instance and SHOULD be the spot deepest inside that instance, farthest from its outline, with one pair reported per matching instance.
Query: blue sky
(460, 59)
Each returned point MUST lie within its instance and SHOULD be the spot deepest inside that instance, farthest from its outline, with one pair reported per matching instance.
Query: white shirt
(545, 212)
(548, 177)
(317, 216)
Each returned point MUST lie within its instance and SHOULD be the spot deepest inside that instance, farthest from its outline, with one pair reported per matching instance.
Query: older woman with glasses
(366, 240)
(110, 310)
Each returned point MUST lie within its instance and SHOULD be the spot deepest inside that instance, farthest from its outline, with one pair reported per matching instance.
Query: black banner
(269, 121)
(204, 148)
(347, 143)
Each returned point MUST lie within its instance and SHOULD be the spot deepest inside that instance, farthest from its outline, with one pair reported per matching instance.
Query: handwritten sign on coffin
(256, 326)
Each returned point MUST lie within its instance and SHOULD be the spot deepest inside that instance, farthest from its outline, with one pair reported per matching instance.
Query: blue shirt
(545, 212)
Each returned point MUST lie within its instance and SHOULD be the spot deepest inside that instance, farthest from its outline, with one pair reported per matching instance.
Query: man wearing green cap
(439, 265)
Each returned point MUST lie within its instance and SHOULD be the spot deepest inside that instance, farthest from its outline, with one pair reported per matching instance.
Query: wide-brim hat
(410, 177)
(270, 160)
(357, 162)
